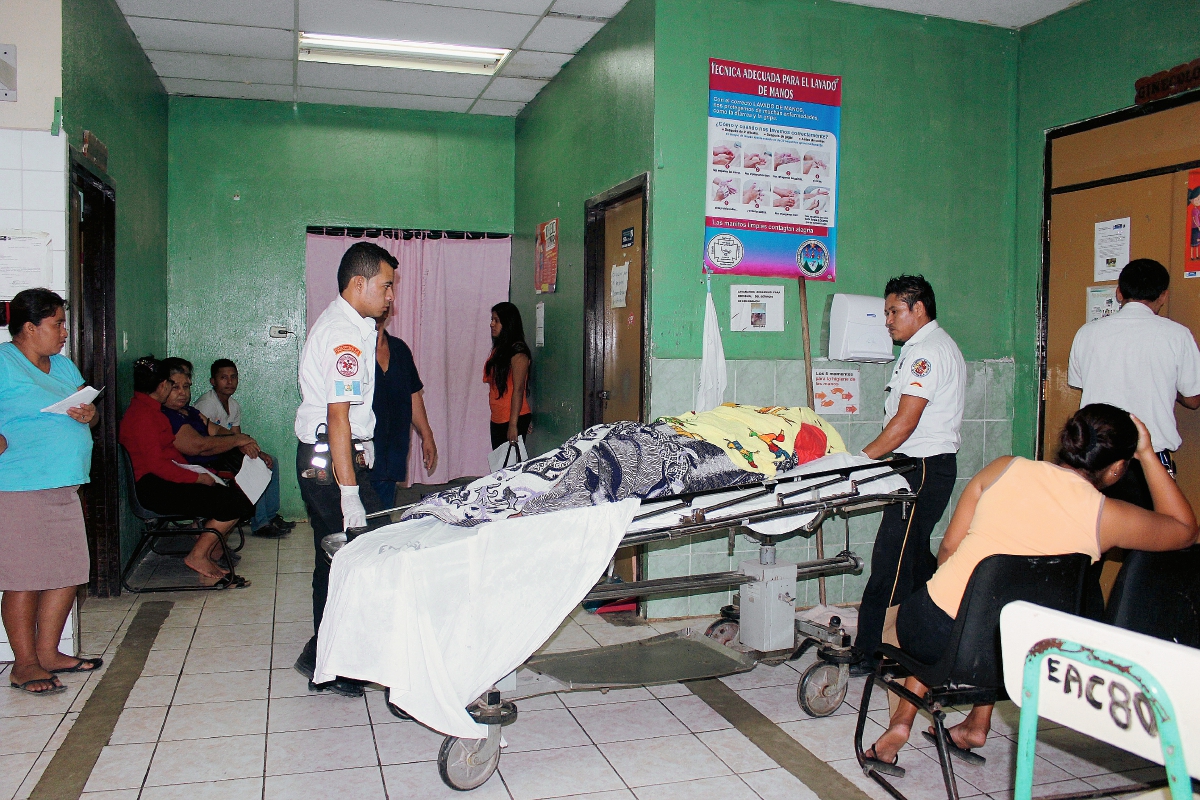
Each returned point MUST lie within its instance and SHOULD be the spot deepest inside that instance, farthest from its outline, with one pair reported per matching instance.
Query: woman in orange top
(507, 375)
(1032, 508)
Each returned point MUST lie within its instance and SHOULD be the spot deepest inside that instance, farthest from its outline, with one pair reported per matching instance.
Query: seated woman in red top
(165, 487)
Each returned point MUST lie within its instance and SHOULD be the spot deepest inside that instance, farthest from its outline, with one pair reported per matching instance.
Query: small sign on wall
(1101, 302)
(1111, 248)
(756, 307)
(545, 257)
(835, 391)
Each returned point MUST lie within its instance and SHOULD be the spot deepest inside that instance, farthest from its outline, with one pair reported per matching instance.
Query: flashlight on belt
(322, 472)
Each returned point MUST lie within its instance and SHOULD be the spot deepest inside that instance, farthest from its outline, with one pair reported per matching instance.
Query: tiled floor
(219, 712)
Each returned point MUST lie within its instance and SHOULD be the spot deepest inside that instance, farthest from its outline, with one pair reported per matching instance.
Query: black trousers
(500, 429)
(901, 563)
(324, 506)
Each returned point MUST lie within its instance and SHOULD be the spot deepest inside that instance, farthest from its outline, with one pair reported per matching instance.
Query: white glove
(369, 452)
(353, 513)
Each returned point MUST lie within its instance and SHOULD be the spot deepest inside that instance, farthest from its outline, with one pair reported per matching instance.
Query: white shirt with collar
(1137, 361)
(210, 406)
(930, 366)
(337, 366)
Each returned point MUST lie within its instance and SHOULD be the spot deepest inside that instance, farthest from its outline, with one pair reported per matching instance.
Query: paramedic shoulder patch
(921, 367)
(347, 365)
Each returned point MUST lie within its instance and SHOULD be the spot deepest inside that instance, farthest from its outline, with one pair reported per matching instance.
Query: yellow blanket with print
(757, 439)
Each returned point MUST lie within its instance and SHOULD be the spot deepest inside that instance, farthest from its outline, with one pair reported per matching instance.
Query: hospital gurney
(762, 628)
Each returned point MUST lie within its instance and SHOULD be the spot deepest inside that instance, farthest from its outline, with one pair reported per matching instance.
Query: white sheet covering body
(440, 612)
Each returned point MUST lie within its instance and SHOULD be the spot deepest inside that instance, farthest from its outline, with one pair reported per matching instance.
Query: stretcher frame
(467, 764)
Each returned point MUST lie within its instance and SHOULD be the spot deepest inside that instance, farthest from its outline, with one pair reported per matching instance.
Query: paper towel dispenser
(856, 329)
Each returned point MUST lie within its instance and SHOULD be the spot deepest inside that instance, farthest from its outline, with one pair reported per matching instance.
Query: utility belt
(320, 466)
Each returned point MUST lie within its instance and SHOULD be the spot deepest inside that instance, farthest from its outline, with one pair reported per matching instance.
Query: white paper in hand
(81, 398)
(199, 470)
(506, 455)
(253, 478)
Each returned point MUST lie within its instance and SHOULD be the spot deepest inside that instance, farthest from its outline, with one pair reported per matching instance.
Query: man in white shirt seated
(225, 418)
(1141, 363)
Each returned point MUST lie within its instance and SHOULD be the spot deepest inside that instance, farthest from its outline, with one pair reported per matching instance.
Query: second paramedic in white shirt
(923, 415)
(335, 422)
(1141, 363)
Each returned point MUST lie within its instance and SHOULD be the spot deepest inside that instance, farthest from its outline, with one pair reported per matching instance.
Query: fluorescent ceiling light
(359, 51)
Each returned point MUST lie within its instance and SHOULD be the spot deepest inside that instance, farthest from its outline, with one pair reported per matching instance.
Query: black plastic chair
(969, 671)
(1158, 594)
(158, 526)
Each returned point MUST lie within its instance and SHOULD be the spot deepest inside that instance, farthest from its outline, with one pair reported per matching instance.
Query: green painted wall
(110, 89)
(589, 130)
(1078, 64)
(247, 177)
(926, 161)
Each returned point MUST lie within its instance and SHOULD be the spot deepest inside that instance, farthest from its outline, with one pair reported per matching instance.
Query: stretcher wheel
(724, 631)
(820, 690)
(456, 763)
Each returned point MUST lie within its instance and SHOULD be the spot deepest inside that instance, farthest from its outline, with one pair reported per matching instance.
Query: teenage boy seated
(220, 449)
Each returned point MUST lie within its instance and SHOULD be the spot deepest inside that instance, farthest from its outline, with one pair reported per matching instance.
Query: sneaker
(281, 523)
(270, 531)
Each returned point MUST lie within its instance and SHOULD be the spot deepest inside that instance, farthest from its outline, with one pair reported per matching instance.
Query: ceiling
(247, 48)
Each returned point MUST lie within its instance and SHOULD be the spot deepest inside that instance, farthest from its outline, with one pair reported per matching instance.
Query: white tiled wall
(33, 197)
(33, 193)
(986, 434)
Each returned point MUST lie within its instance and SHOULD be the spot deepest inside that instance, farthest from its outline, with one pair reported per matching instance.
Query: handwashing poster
(771, 194)
(835, 391)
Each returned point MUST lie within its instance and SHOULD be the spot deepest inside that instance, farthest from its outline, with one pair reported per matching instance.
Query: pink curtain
(445, 289)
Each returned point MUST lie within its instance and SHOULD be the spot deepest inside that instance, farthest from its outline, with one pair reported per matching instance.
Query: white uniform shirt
(1137, 361)
(930, 366)
(337, 366)
(210, 406)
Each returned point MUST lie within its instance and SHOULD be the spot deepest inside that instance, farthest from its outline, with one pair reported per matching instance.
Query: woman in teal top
(44, 457)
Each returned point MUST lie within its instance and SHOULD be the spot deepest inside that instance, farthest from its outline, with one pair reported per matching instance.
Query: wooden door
(1148, 204)
(621, 287)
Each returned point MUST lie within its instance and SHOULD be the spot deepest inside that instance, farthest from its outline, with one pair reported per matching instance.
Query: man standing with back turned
(1141, 363)
(335, 423)
(923, 415)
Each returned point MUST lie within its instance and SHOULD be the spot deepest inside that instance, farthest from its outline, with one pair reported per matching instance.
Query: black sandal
(963, 754)
(872, 764)
(84, 665)
(58, 687)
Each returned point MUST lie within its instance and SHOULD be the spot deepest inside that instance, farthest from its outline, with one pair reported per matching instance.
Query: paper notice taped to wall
(756, 307)
(1101, 302)
(1111, 248)
(24, 261)
(620, 284)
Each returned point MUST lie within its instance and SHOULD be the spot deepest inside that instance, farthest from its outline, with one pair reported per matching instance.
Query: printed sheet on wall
(771, 205)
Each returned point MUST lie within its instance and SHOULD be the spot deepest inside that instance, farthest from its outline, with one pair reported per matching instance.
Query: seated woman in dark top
(192, 429)
(162, 484)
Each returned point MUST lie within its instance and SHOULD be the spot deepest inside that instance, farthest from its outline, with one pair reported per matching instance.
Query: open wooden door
(1133, 164)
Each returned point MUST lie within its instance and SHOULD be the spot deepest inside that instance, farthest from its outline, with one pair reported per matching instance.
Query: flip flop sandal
(872, 764)
(24, 687)
(84, 665)
(961, 753)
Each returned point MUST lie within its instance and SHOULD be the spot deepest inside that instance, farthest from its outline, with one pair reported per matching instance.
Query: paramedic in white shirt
(923, 419)
(335, 422)
(1141, 363)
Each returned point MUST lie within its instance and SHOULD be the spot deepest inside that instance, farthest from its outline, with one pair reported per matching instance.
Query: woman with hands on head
(44, 458)
(1019, 507)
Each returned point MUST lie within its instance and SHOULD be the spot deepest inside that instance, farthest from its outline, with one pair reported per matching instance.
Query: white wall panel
(385, 79)
(201, 37)
(259, 13)
(229, 89)
(558, 35)
(520, 89)
(392, 20)
(238, 69)
(347, 97)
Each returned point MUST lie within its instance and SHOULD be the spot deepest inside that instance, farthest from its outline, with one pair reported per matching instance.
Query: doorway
(615, 302)
(1130, 164)
(93, 332)
(614, 313)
